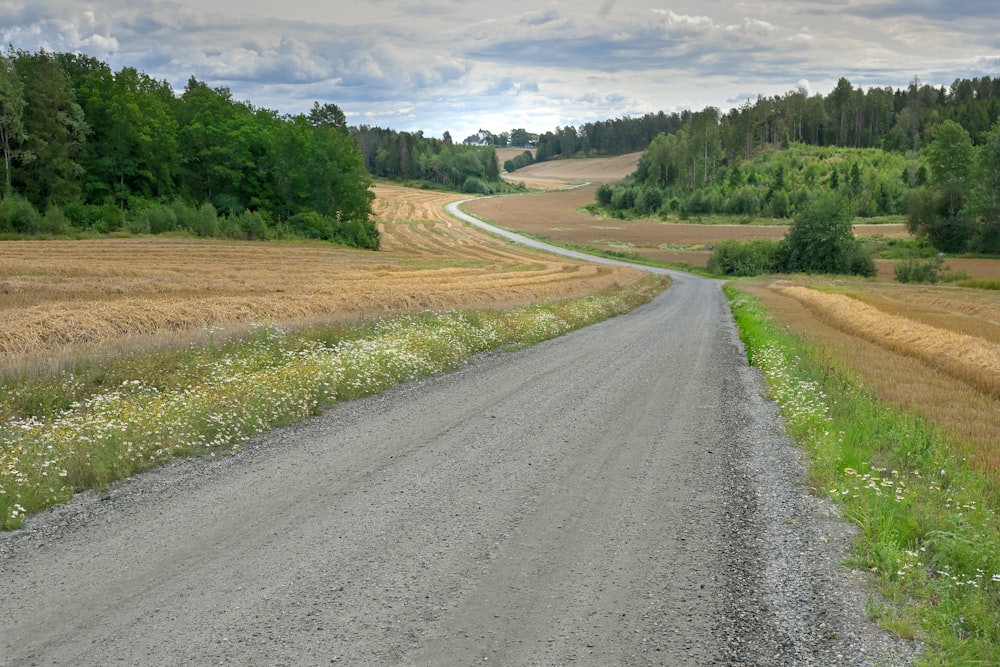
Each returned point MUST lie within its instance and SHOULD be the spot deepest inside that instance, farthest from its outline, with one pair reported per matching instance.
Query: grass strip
(87, 429)
(927, 524)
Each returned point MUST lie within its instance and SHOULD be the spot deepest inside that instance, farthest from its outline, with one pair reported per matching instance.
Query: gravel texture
(620, 495)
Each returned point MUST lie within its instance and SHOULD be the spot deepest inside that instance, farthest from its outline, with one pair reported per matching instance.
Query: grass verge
(927, 524)
(104, 422)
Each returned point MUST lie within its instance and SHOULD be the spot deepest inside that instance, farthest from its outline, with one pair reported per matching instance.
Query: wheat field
(59, 299)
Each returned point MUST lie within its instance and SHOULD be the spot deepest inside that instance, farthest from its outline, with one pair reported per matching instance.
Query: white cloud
(441, 64)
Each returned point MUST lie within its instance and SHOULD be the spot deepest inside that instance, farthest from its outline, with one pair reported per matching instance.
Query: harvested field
(559, 217)
(933, 351)
(553, 174)
(59, 297)
(967, 357)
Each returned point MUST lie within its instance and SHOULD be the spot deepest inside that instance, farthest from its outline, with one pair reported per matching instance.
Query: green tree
(950, 157)
(987, 193)
(939, 212)
(56, 131)
(328, 115)
(12, 103)
(821, 239)
(214, 157)
(134, 140)
(521, 138)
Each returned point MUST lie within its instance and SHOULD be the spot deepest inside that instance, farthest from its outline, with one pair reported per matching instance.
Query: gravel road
(622, 495)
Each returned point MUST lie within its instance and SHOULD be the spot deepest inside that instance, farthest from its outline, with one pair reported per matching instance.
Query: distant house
(480, 138)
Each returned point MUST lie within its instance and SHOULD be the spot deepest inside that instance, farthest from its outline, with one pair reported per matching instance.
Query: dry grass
(65, 297)
(931, 351)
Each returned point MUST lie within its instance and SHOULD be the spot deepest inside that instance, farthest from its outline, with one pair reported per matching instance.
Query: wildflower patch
(271, 378)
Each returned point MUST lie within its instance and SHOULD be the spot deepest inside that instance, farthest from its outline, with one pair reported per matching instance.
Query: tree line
(414, 158)
(923, 153)
(87, 149)
(879, 117)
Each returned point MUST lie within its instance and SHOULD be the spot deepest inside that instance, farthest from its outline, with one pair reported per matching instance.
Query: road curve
(454, 208)
(622, 495)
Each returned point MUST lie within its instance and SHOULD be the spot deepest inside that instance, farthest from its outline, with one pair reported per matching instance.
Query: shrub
(54, 222)
(152, 219)
(311, 225)
(623, 198)
(697, 203)
(252, 225)
(604, 192)
(913, 270)
(80, 215)
(821, 239)
(522, 160)
(108, 218)
(780, 205)
(744, 201)
(358, 234)
(18, 215)
(746, 258)
(476, 186)
(649, 200)
(204, 221)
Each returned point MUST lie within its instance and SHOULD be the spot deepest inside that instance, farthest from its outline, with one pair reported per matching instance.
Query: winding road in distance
(622, 495)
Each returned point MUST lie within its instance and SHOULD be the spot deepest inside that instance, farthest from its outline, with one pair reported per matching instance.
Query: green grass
(927, 524)
(108, 420)
(980, 283)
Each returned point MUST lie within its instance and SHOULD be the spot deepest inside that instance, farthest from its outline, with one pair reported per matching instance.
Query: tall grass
(90, 428)
(927, 524)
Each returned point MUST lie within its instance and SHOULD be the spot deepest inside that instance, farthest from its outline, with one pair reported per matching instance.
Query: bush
(311, 225)
(746, 258)
(252, 225)
(358, 234)
(913, 270)
(522, 160)
(744, 201)
(476, 186)
(623, 198)
(780, 205)
(152, 219)
(697, 203)
(604, 192)
(108, 218)
(203, 221)
(649, 200)
(54, 222)
(821, 239)
(17, 215)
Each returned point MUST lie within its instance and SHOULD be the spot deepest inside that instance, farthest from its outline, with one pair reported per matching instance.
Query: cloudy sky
(461, 65)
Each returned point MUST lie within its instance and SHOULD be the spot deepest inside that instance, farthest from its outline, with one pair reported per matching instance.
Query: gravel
(621, 495)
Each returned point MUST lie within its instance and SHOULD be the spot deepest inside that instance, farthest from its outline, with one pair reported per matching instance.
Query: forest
(931, 156)
(413, 158)
(90, 151)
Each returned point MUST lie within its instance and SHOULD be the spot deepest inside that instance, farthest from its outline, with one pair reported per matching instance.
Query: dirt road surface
(621, 495)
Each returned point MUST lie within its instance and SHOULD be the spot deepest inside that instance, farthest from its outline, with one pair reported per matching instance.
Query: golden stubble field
(61, 298)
